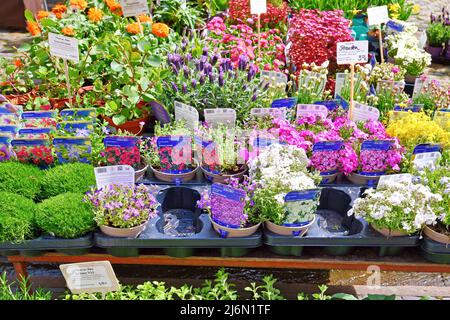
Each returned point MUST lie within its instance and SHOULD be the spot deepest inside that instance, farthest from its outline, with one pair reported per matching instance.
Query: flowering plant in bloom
(311, 81)
(314, 36)
(361, 84)
(386, 71)
(375, 161)
(433, 95)
(39, 154)
(398, 207)
(6, 152)
(276, 15)
(116, 156)
(231, 214)
(123, 206)
(388, 95)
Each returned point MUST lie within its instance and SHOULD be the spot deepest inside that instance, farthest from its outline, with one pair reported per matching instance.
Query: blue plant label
(227, 205)
(8, 130)
(287, 103)
(25, 131)
(5, 140)
(413, 108)
(78, 114)
(121, 142)
(395, 26)
(342, 102)
(264, 142)
(330, 104)
(327, 146)
(302, 195)
(73, 149)
(160, 112)
(426, 148)
(175, 153)
(77, 128)
(377, 145)
(38, 114)
(171, 141)
(30, 142)
(71, 141)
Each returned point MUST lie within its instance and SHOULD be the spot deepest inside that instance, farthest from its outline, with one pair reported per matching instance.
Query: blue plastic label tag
(9, 129)
(78, 114)
(38, 114)
(327, 146)
(376, 145)
(330, 104)
(287, 103)
(301, 195)
(426, 148)
(5, 140)
(30, 142)
(227, 205)
(123, 142)
(395, 26)
(342, 102)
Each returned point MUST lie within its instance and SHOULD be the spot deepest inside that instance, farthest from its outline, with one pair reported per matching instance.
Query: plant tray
(435, 251)
(197, 181)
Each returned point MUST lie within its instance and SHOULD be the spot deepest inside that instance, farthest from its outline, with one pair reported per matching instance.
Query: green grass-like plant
(20, 178)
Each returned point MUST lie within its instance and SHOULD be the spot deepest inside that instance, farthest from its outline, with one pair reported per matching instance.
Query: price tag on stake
(352, 52)
(377, 15)
(90, 277)
(122, 174)
(134, 8)
(216, 116)
(188, 113)
(258, 6)
(63, 47)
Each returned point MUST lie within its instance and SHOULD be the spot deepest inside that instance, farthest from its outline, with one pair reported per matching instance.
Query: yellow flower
(134, 28)
(355, 11)
(394, 7)
(95, 15)
(416, 9)
(394, 16)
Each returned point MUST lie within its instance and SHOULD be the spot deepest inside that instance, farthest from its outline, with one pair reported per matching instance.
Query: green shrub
(72, 177)
(20, 178)
(16, 217)
(65, 216)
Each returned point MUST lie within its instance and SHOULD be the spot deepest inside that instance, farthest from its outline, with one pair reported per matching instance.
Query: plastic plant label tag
(227, 205)
(63, 47)
(287, 103)
(188, 113)
(121, 150)
(426, 160)
(175, 154)
(36, 133)
(9, 131)
(78, 114)
(352, 52)
(133, 8)
(373, 156)
(442, 118)
(342, 102)
(8, 119)
(274, 78)
(419, 83)
(274, 112)
(394, 27)
(34, 151)
(325, 156)
(70, 149)
(340, 81)
(258, 6)
(6, 152)
(10, 108)
(362, 112)
(39, 119)
(396, 178)
(90, 277)
(160, 112)
(121, 174)
(217, 116)
(75, 128)
(207, 155)
(377, 15)
(300, 207)
(329, 104)
(311, 109)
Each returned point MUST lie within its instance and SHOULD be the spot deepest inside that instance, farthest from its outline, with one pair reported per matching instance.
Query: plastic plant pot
(436, 236)
(222, 178)
(363, 180)
(435, 251)
(177, 178)
(140, 173)
(227, 232)
(298, 231)
(434, 51)
(124, 232)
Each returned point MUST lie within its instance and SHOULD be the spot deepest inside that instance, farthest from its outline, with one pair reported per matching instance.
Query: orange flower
(33, 28)
(134, 28)
(78, 4)
(18, 63)
(114, 6)
(160, 30)
(42, 14)
(59, 8)
(68, 31)
(145, 18)
(95, 15)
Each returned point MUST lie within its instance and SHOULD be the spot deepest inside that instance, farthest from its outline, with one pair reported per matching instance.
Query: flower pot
(359, 179)
(390, 233)
(436, 236)
(447, 52)
(434, 51)
(59, 103)
(296, 231)
(139, 174)
(229, 232)
(133, 232)
(177, 178)
(410, 78)
(132, 126)
(329, 178)
(20, 99)
(221, 177)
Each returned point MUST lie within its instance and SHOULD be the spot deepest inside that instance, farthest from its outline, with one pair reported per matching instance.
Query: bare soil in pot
(437, 233)
(223, 177)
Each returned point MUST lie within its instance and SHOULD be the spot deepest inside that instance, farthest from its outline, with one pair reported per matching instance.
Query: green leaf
(119, 119)
(135, 56)
(144, 82)
(144, 46)
(10, 69)
(24, 47)
(46, 22)
(29, 15)
(112, 105)
(343, 296)
(154, 61)
(379, 297)
(117, 67)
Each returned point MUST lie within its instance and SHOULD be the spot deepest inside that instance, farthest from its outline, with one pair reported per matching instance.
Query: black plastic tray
(435, 251)
(205, 237)
(199, 179)
(343, 234)
(39, 246)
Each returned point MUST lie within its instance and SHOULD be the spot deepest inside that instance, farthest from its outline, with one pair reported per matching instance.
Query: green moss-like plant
(20, 178)
(65, 216)
(16, 218)
(71, 177)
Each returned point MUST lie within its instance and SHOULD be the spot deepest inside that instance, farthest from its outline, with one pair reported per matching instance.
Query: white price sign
(362, 112)
(352, 52)
(133, 8)
(274, 112)
(398, 178)
(63, 47)
(377, 15)
(311, 109)
(188, 113)
(258, 6)
(122, 174)
(216, 116)
(90, 277)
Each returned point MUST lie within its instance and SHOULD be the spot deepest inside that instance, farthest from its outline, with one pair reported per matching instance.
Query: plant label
(188, 113)
(394, 27)
(227, 205)
(217, 116)
(90, 277)
(121, 174)
(63, 47)
(258, 6)
(286, 103)
(300, 207)
(133, 8)
(175, 153)
(442, 118)
(419, 83)
(426, 155)
(362, 112)
(340, 81)
(274, 112)
(377, 15)
(311, 109)
(406, 178)
(274, 78)
(352, 52)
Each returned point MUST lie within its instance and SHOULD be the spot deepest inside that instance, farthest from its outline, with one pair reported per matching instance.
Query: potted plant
(436, 35)
(231, 208)
(116, 215)
(397, 209)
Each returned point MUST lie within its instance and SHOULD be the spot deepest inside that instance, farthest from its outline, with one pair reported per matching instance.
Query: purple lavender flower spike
(174, 86)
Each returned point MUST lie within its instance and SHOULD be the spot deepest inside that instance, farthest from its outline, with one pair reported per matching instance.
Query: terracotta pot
(20, 99)
(132, 126)
(299, 231)
(226, 232)
(140, 173)
(436, 236)
(222, 178)
(59, 103)
(177, 178)
(434, 51)
(390, 233)
(359, 179)
(410, 79)
(133, 232)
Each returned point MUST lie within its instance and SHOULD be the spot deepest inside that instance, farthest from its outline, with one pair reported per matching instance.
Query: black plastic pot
(434, 251)
(193, 230)
(39, 246)
(337, 232)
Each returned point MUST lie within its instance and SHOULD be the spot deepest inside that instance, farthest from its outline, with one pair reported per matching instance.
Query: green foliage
(20, 178)
(437, 34)
(65, 216)
(22, 292)
(16, 217)
(71, 177)
(179, 15)
(267, 291)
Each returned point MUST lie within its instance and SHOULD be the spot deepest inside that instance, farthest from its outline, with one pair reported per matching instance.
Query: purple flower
(186, 71)
(221, 79)
(184, 88)
(174, 86)
(242, 62)
(194, 83)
